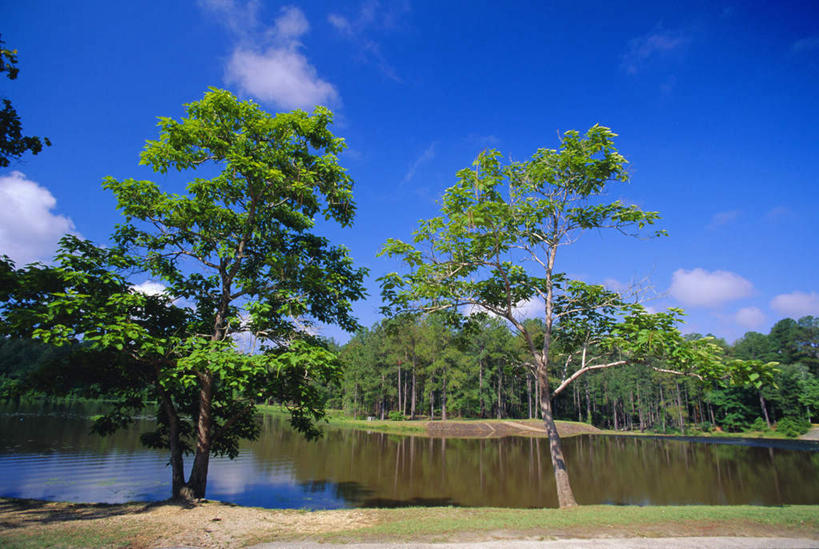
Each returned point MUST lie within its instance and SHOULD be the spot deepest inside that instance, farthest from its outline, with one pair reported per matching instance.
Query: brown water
(50, 455)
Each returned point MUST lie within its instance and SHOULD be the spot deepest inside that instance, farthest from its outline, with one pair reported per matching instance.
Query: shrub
(395, 415)
(792, 427)
(759, 425)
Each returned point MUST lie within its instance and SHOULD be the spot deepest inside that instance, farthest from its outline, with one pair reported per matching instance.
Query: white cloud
(29, 230)
(149, 287)
(267, 61)
(425, 157)
(796, 304)
(750, 317)
(341, 24)
(280, 76)
(656, 43)
(723, 218)
(701, 288)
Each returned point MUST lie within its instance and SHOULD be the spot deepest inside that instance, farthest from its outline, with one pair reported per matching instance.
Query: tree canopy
(13, 144)
(238, 255)
(494, 249)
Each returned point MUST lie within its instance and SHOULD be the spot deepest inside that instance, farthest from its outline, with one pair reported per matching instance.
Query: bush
(759, 425)
(395, 415)
(792, 427)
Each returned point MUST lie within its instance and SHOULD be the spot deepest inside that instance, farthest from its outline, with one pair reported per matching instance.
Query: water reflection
(52, 456)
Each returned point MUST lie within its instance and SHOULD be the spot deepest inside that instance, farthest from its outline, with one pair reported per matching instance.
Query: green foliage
(395, 415)
(238, 257)
(13, 144)
(792, 427)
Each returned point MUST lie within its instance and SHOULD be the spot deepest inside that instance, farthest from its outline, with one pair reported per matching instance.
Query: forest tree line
(426, 367)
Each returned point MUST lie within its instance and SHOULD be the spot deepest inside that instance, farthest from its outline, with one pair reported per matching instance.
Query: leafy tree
(238, 250)
(12, 141)
(496, 221)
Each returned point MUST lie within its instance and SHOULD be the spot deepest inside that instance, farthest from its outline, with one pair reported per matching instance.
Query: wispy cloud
(425, 157)
(371, 16)
(483, 141)
(778, 213)
(701, 288)
(29, 229)
(655, 44)
(268, 62)
(723, 218)
(806, 45)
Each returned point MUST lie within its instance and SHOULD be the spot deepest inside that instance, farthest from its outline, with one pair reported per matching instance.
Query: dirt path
(503, 428)
(614, 543)
(813, 434)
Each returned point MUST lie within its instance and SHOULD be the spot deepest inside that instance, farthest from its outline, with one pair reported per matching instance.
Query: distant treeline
(423, 367)
(426, 367)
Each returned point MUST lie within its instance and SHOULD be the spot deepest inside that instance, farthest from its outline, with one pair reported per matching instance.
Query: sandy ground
(33, 523)
(813, 434)
(164, 524)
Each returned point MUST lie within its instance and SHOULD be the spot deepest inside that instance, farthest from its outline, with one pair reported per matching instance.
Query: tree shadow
(19, 513)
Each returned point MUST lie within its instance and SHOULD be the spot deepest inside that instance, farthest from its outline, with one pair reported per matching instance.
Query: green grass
(586, 521)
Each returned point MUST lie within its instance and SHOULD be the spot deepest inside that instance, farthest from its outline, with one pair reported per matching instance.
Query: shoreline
(36, 523)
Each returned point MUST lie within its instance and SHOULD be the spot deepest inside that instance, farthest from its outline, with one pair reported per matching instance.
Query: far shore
(35, 523)
(495, 428)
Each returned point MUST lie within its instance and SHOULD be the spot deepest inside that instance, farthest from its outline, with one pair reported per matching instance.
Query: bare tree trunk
(588, 404)
(198, 480)
(177, 468)
(529, 392)
(400, 402)
(661, 406)
(500, 374)
(480, 387)
(565, 496)
(764, 410)
(431, 403)
(679, 408)
(443, 396)
(414, 394)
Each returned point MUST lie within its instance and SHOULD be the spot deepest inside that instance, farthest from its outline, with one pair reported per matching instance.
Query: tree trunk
(431, 403)
(414, 394)
(400, 402)
(588, 405)
(661, 406)
(500, 373)
(443, 396)
(529, 392)
(764, 410)
(565, 496)
(177, 468)
(480, 388)
(680, 408)
(198, 480)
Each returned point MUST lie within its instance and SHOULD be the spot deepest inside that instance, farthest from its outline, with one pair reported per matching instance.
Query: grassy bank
(32, 523)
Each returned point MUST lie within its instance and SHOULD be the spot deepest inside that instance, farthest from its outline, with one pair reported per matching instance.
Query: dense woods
(411, 367)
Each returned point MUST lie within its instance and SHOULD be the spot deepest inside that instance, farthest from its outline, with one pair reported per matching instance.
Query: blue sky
(716, 105)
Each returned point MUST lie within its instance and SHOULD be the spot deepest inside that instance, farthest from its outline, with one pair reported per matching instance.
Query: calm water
(50, 455)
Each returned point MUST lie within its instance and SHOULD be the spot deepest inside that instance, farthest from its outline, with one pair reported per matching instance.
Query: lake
(49, 454)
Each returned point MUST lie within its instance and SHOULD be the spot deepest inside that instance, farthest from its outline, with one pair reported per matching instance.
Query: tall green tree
(239, 250)
(494, 247)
